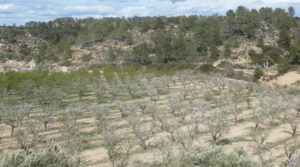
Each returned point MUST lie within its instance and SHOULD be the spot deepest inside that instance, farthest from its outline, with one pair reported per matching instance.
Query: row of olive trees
(199, 107)
(203, 105)
(25, 120)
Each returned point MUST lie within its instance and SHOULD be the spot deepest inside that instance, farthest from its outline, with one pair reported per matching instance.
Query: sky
(22, 11)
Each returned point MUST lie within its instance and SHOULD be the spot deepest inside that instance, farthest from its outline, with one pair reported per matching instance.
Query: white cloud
(281, 1)
(38, 10)
(44, 12)
(134, 11)
(90, 9)
(6, 7)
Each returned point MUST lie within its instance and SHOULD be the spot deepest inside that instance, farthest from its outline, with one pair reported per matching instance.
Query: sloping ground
(95, 154)
(286, 79)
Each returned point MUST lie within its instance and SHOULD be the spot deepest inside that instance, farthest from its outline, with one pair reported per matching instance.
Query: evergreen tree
(284, 39)
(294, 54)
(214, 51)
(258, 73)
(141, 54)
(260, 42)
(227, 50)
(292, 11)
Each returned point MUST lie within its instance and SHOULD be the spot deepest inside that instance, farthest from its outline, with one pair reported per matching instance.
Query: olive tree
(259, 138)
(47, 114)
(152, 109)
(100, 90)
(46, 94)
(171, 126)
(179, 107)
(13, 116)
(142, 106)
(167, 152)
(131, 87)
(292, 154)
(257, 117)
(79, 86)
(188, 90)
(217, 125)
(27, 138)
(166, 80)
(293, 121)
(159, 85)
(26, 109)
(26, 89)
(152, 93)
(174, 102)
(185, 138)
(160, 117)
(290, 151)
(3, 93)
(100, 113)
(270, 109)
(41, 94)
(150, 77)
(75, 112)
(2, 110)
(72, 137)
(140, 80)
(236, 97)
(196, 121)
(114, 89)
(143, 132)
(124, 107)
(296, 104)
(118, 148)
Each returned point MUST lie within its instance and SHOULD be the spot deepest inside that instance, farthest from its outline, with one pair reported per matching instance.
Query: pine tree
(214, 51)
(284, 39)
(292, 11)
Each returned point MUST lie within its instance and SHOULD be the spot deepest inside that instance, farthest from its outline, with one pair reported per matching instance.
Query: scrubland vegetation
(157, 40)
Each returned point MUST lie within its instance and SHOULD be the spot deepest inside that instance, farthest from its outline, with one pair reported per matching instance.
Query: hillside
(247, 38)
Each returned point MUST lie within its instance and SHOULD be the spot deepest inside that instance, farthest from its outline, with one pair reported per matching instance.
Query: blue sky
(21, 11)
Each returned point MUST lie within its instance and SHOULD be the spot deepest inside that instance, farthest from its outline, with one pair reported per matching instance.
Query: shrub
(258, 73)
(52, 156)
(141, 54)
(217, 157)
(256, 58)
(284, 40)
(207, 68)
(283, 67)
(214, 157)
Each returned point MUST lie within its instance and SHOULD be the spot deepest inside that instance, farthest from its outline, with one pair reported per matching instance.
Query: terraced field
(140, 120)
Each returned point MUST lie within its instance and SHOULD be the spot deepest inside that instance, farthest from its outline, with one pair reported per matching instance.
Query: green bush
(207, 68)
(284, 40)
(283, 67)
(52, 156)
(217, 157)
(213, 157)
(141, 54)
(258, 73)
